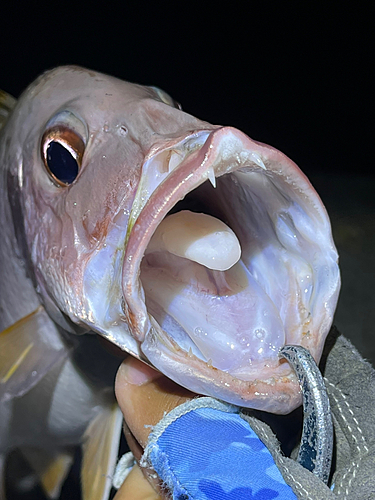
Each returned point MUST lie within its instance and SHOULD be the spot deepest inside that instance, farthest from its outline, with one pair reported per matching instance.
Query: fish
(188, 245)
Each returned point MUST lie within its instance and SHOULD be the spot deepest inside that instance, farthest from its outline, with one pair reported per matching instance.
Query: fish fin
(100, 450)
(28, 350)
(51, 469)
(7, 103)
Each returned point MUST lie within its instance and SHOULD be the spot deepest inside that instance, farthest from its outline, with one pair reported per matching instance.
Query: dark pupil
(61, 163)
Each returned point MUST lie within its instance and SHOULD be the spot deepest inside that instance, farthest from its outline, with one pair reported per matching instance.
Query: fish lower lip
(236, 320)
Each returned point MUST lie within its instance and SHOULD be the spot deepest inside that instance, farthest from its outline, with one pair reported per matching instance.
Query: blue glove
(235, 465)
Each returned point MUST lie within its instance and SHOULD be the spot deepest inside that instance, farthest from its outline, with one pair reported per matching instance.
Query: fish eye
(62, 148)
(62, 152)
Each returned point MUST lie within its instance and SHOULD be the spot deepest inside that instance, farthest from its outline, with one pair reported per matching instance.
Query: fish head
(77, 227)
(190, 245)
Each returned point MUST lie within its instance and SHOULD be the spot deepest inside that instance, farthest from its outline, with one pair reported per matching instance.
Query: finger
(144, 396)
(133, 444)
(137, 451)
(136, 487)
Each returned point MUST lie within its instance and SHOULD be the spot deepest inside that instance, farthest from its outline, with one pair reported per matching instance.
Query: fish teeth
(211, 176)
(174, 160)
(258, 160)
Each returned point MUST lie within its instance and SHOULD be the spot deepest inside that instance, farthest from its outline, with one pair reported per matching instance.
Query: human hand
(144, 396)
(203, 447)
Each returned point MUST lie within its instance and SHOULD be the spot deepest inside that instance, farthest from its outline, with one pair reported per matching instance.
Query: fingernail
(134, 372)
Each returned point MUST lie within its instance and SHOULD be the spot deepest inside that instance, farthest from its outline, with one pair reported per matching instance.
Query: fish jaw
(284, 290)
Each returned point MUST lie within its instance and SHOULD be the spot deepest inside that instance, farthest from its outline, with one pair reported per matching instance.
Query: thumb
(144, 396)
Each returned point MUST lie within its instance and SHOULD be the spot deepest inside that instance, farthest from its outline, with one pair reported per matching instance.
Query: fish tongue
(193, 279)
(197, 237)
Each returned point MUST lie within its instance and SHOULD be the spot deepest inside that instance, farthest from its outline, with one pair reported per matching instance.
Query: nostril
(123, 131)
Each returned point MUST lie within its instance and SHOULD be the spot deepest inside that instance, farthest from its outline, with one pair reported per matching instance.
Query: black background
(296, 76)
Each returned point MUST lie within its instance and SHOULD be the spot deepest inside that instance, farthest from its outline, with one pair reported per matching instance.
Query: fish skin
(62, 243)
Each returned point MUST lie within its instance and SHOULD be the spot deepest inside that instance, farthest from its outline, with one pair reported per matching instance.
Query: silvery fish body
(189, 245)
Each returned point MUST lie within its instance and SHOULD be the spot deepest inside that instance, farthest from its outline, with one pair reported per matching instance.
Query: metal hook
(315, 452)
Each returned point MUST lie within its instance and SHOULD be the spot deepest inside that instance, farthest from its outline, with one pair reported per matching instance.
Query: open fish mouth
(212, 298)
